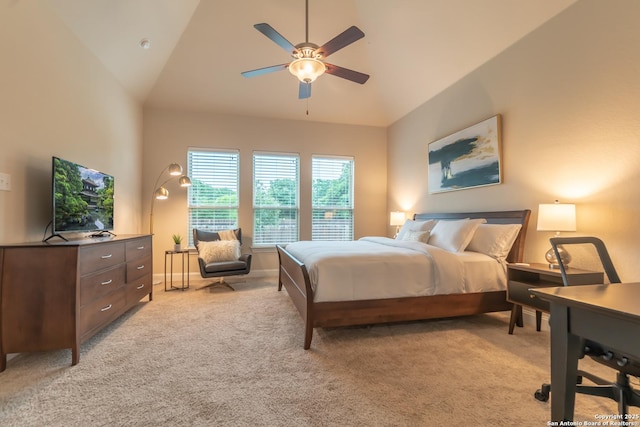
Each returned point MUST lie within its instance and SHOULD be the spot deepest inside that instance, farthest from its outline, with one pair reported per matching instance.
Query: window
(275, 198)
(213, 195)
(332, 198)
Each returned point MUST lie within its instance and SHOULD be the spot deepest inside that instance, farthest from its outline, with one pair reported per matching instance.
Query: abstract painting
(466, 159)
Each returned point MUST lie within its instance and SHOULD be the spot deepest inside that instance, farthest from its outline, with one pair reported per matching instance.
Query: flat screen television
(82, 199)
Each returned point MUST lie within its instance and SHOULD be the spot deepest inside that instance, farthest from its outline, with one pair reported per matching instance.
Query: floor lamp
(161, 193)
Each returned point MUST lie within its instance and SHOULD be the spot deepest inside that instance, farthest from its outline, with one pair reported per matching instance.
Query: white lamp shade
(396, 218)
(557, 217)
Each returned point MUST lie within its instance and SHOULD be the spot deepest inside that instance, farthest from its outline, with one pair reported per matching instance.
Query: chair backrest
(210, 236)
(586, 252)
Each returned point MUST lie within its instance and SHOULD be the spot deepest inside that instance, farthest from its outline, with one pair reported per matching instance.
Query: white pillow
(494, 240)
(417, 236)
(219, 250)
(454, 236)
(411, 225)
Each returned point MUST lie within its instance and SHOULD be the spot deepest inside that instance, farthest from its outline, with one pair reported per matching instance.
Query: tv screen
(82, 198)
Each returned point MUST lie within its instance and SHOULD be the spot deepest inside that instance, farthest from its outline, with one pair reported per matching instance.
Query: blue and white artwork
(466, 159)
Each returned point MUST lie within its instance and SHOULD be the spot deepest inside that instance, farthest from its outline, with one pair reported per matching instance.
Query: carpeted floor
(204, 358)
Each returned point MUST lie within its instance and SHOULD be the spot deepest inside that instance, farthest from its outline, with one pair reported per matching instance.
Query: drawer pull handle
(140, 267)
(140, 247)
(107, 282)
(141, 286)
(532, 296)
(106, 308)
(106, 256)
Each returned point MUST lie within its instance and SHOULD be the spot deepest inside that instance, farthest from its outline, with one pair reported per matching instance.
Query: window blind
(214, 194)
(275, 198)
(332, 198)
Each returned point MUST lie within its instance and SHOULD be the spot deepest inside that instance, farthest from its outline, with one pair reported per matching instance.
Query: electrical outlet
(5, 182)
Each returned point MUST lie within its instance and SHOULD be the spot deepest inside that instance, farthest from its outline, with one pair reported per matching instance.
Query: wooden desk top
(621, 299)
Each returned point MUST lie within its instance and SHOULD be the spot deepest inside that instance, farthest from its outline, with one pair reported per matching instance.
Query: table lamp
(557, 217)
(397, 219)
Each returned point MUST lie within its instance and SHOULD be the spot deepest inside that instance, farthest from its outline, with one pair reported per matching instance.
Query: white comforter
(380, 267)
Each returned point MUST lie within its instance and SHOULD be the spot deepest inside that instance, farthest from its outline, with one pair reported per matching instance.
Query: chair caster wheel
(543, 393)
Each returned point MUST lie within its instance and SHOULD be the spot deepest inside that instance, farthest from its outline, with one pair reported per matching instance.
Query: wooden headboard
(499, 217)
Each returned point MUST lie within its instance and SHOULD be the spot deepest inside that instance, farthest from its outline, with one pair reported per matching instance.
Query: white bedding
(380, 267)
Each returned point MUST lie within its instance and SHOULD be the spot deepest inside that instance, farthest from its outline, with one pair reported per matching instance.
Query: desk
(185, 271)
(606, 314)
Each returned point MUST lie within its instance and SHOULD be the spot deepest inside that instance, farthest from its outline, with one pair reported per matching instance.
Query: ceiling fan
(308, 59)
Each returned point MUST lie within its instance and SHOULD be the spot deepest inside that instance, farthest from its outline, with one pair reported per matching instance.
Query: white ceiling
(413, 49)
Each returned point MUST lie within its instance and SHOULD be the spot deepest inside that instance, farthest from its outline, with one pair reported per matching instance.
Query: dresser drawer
(138, 289)
(102, 311)
(518, 292)
(138, 248)
(95, 285)
(97, 257)
(138, 268)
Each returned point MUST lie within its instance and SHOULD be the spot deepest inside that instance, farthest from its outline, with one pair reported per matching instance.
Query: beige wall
(58, 99)
(569, 96)
(169, 134)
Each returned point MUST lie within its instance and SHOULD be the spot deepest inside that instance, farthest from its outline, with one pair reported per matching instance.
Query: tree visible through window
(213, 196)
(332, 198)
(275, 198)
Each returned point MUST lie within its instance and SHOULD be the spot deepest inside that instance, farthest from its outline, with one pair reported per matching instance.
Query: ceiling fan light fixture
(307, 69)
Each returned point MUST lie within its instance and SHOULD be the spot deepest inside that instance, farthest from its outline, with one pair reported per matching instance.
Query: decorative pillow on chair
(411, 225)
(494, 240)
(219, 250)
(454, 236)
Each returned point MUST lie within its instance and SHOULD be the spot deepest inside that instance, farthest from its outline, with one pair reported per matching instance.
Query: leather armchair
(221, 268)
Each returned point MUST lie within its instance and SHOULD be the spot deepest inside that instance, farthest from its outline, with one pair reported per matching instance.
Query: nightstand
(521, 278)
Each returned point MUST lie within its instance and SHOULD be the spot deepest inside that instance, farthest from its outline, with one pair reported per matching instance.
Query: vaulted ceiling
(412, 49)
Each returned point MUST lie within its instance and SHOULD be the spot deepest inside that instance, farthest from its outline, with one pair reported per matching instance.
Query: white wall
(57, 99)
(569, 96)
(169, 134)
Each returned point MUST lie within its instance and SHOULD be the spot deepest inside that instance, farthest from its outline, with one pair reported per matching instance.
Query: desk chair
(591, 253)
(220, 268)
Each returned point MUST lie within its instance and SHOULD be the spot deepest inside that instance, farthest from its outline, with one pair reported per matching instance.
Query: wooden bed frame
(295, 278)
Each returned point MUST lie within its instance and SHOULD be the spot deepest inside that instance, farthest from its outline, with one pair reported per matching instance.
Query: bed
(330, 310)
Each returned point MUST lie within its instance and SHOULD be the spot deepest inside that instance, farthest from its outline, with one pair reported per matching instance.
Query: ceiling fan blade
(268, 31)
(346, 73)
(343, 39)
(265, 70)
(304, 91)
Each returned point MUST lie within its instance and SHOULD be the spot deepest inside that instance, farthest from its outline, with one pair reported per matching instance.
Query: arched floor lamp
(161, 193)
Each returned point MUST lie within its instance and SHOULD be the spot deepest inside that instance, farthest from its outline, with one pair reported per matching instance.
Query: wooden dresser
(58, 295)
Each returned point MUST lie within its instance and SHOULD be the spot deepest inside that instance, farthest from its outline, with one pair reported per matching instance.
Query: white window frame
(285, 230)
(332, 221)
(222, 173)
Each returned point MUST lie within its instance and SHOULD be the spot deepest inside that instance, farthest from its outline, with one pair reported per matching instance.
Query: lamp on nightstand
(557, 217)
(397, 219)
